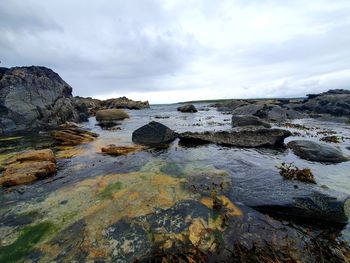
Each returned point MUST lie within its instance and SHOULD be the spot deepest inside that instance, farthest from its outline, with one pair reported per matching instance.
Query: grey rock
(317, 152)
(242, 138)
(153, 133)
(187, 108)
(239, 121)
(33, 98)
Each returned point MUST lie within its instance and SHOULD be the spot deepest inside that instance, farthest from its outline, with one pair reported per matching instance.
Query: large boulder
(111, 115)
(187, 108)
(241, 121)
(153, 133)
(28, 167)
(317, 152)
(34, 98)
(241, 138)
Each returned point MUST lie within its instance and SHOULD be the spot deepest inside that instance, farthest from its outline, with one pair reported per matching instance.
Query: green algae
(109, 190)
(28, 238)
(172, 169)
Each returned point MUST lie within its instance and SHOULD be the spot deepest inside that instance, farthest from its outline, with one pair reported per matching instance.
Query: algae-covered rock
(111, 115)
(112, 149)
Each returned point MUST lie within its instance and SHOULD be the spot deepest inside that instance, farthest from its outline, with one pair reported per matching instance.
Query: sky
(169, 51)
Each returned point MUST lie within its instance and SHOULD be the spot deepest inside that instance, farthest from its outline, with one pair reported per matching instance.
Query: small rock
(70, 134)
(111, 115)
(187, 108)
(244, 120)
(153, 133)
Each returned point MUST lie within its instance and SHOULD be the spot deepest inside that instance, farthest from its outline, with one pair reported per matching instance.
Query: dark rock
(282, 197)
(239, 121)
(153, 133)
(187, 108)
(317, 152)
(241, 138)
(34, 98)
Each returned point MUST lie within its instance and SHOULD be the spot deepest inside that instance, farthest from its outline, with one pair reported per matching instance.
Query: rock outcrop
(317, 152)
(241, 138)
(94, 105)
(187, 108)
(28, 167)
(153, 133)
(34, 98)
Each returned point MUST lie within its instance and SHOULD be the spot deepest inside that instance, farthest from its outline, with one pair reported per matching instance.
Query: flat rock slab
(317, 152)
(243, 138)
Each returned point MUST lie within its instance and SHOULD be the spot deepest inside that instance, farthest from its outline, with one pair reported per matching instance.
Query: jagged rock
(239, 121)
(111, 115)
(71, 134)
(34, 98)
(187, 108)
(317, 152)
(29, 167)
(241, 138)
(153, 133)
(120, 150)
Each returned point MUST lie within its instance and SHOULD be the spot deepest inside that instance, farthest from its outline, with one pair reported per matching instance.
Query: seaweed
(109, 190)
(28, 238)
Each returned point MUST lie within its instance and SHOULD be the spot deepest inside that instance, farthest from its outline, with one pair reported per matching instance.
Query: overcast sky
(168, 51)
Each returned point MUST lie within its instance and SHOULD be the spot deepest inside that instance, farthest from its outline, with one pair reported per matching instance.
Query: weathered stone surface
(241, 138)
(29, 166)
(244, 120)
(111, 115)
(120, 150)
(37, 155)
(71, 134)
(187, 108)
(317, 152)
(153, 133)
(34, 98)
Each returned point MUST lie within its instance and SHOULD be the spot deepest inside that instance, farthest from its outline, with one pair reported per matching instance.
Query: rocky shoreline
(167, 192)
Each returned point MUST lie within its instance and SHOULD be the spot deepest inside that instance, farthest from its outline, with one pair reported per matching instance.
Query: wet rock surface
(242, 138)
(154, 133)
(317, 152)
(112, 149)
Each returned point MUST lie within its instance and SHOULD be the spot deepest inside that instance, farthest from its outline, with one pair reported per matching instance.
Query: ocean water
(85, 184)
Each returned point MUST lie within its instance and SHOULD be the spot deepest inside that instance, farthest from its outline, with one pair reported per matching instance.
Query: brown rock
(37, 155)
(120, 150)
(111, 115)
(70, 134)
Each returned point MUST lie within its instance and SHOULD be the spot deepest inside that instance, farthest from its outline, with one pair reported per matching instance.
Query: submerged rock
(153, 133)
(120, 150)
(241, 138)
(28, 167)
(187, 108)
(317, 152)
(241, 120)
(71, 134)
(111, 115)
(34, 98)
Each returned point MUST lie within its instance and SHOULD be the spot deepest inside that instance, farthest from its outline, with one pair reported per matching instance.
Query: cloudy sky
(168, 51)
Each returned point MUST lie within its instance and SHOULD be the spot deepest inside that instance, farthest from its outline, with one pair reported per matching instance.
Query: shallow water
(103, 190)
